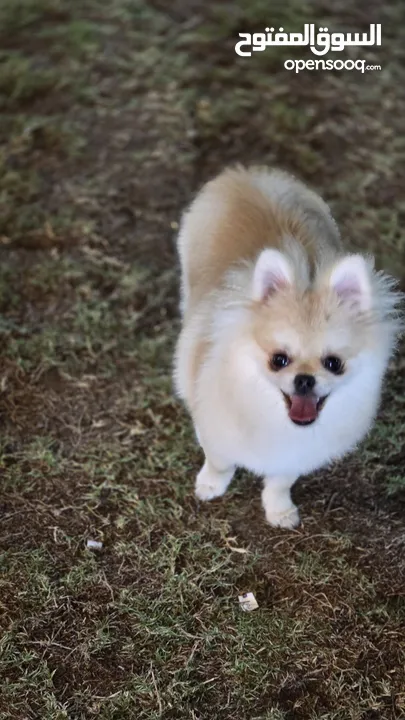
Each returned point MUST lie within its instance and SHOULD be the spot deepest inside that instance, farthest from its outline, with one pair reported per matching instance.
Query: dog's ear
(272, 273)
(350, 280)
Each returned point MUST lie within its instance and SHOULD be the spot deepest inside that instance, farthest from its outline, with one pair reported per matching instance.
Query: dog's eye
(279, 361)
(333, 364)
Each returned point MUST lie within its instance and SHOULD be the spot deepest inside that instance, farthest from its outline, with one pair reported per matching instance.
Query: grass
(113, 113)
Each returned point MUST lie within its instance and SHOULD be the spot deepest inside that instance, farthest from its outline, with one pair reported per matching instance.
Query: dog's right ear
(272, 273)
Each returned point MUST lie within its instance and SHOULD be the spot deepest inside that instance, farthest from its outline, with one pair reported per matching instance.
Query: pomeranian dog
(285, 338)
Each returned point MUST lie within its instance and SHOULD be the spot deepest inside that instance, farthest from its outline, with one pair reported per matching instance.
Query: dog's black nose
(304, 384)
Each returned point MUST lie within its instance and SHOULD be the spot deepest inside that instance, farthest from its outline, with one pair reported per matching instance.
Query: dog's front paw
(288, 519)
(211, 484)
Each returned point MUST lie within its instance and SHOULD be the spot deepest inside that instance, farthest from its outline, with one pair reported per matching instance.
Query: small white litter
(94, 545)
(248, 602)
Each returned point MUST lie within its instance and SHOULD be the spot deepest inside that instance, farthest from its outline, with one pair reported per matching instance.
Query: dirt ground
(113, 113)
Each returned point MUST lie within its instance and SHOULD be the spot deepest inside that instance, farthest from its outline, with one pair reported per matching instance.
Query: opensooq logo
(320, 43)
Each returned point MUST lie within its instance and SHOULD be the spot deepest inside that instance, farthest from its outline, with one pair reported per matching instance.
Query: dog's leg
(278, 506)
(213, 479)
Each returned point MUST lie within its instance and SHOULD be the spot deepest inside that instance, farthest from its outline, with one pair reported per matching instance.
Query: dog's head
(315, 336)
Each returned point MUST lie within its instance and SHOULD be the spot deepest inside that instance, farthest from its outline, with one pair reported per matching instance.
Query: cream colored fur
(263, 272)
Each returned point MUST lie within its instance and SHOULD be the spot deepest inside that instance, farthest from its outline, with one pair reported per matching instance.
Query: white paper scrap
(248, 602)
(94, 545)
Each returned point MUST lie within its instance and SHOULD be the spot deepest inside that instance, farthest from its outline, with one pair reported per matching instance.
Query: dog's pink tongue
(303, 408)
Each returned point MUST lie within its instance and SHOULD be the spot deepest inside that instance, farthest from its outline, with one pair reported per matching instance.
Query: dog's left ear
(350, 279)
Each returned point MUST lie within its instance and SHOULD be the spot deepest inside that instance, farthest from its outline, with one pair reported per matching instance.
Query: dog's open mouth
(304, 409)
